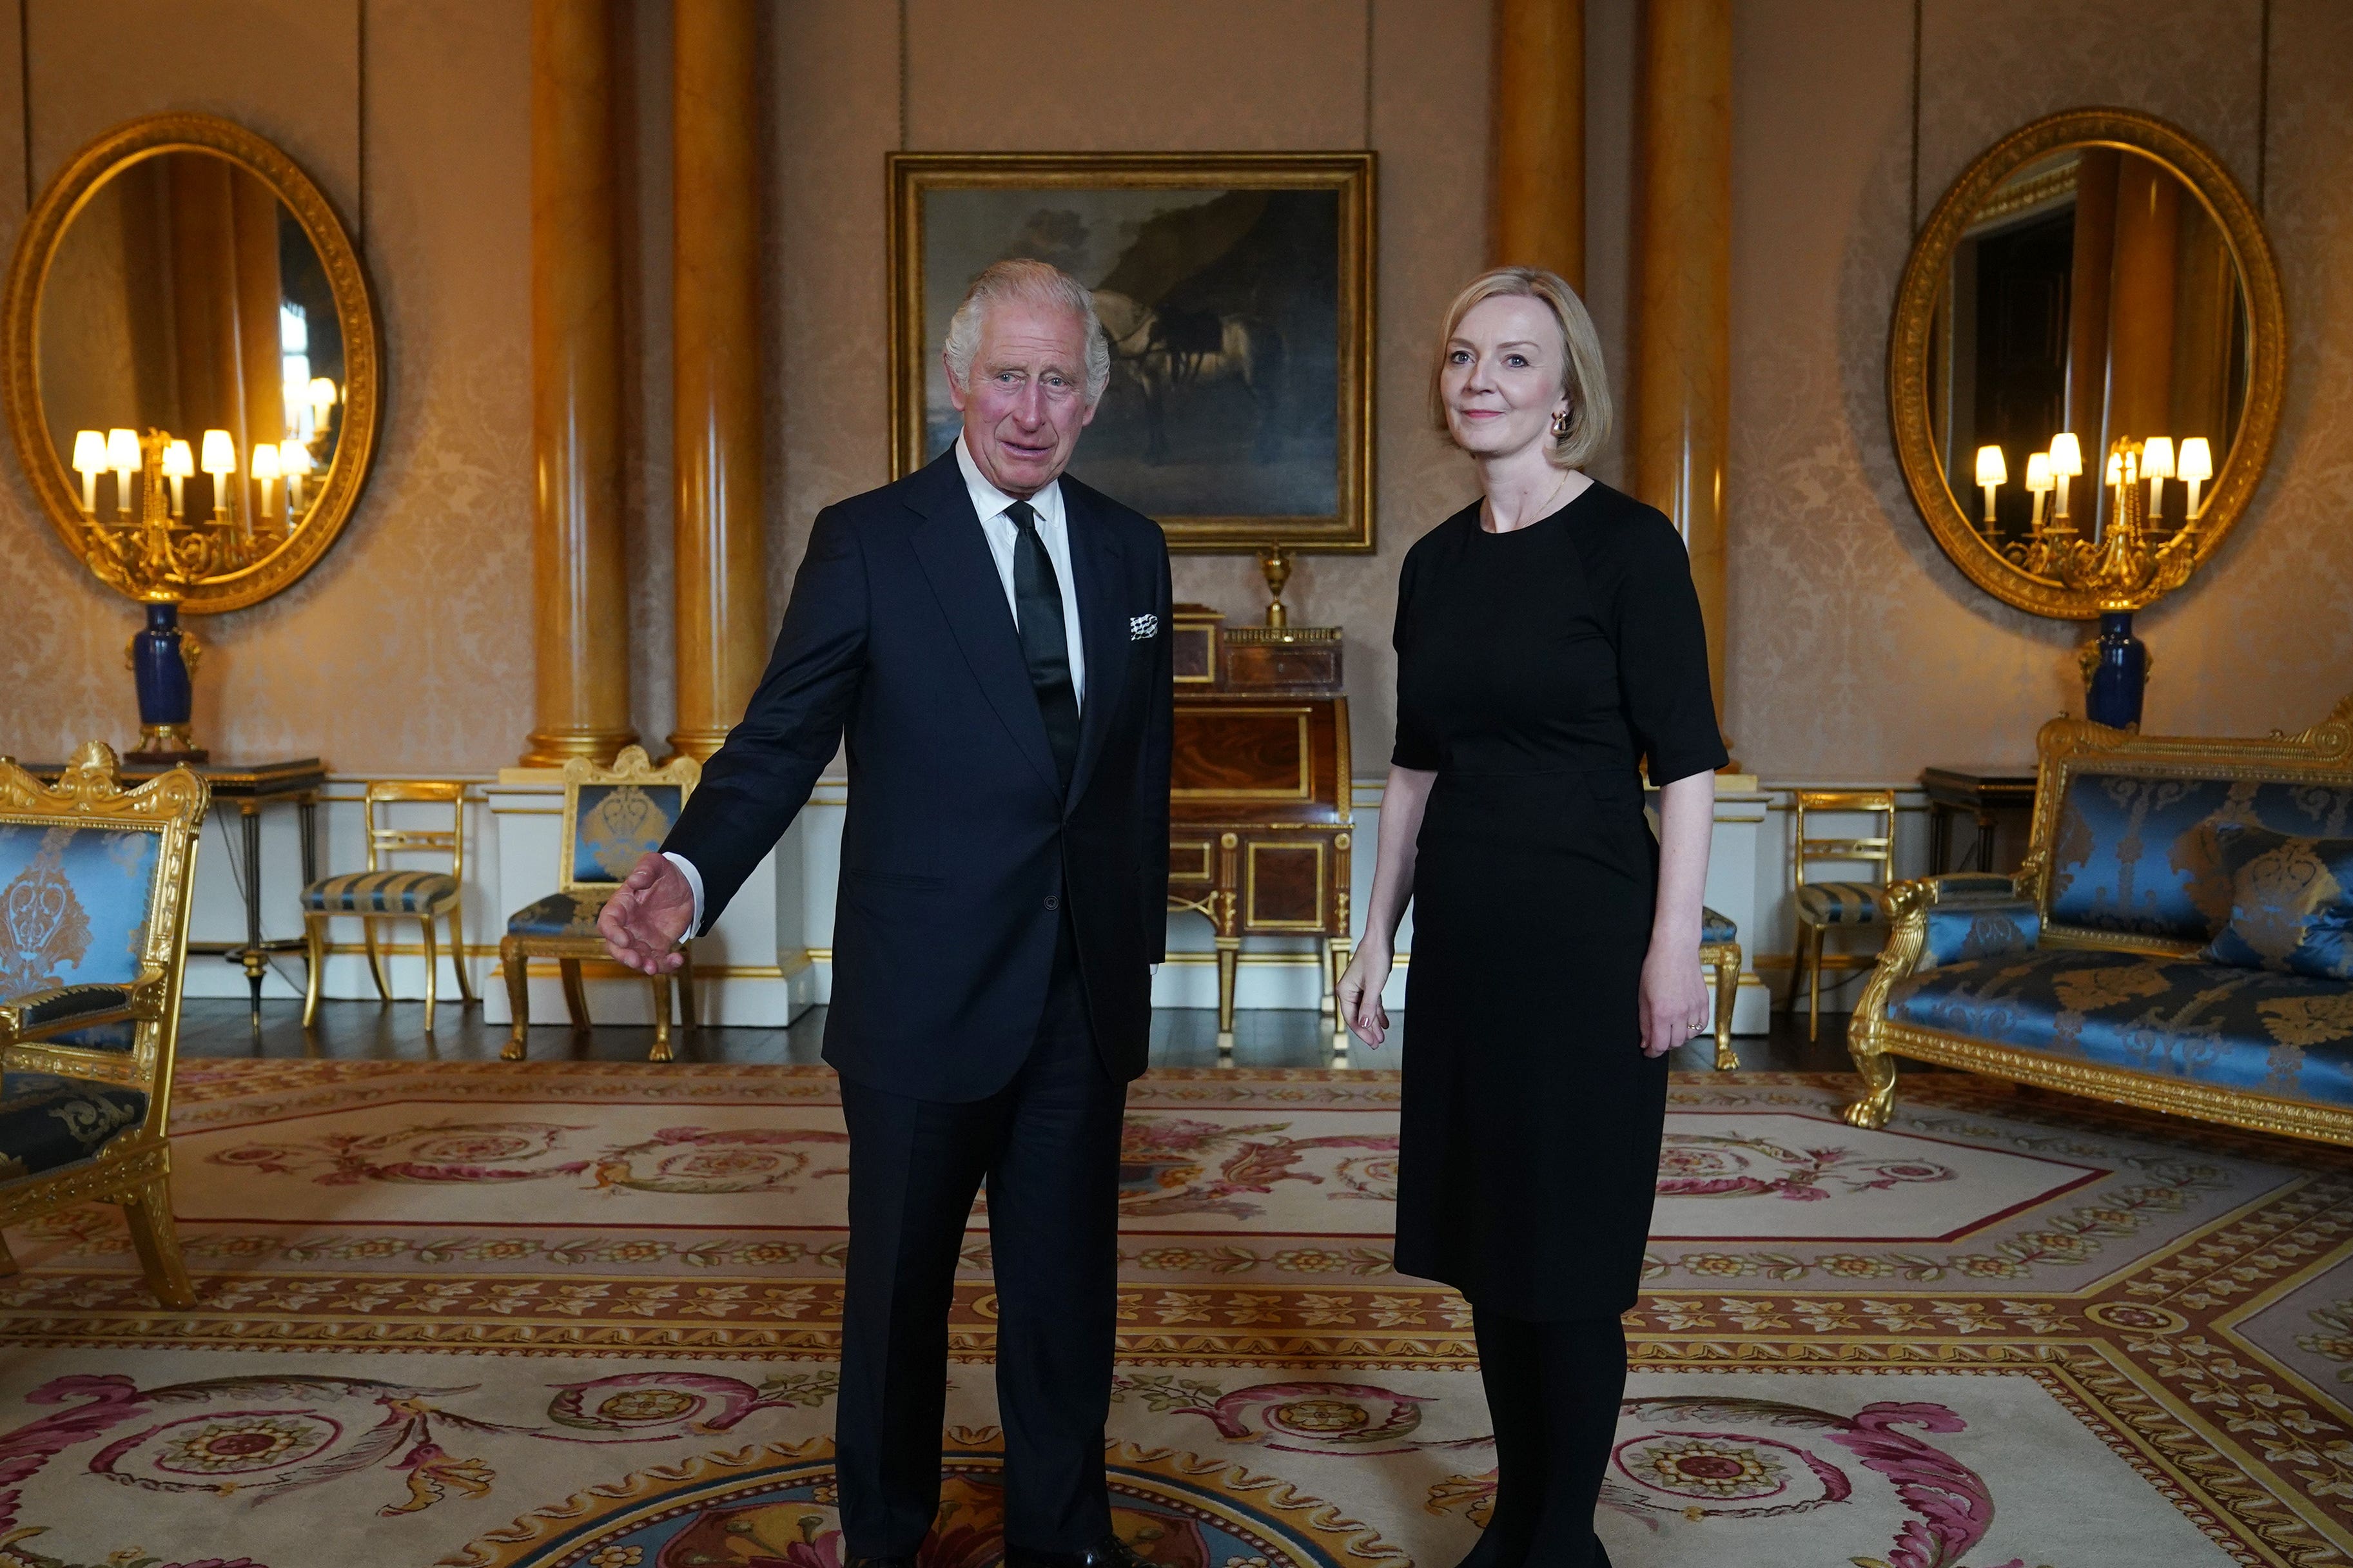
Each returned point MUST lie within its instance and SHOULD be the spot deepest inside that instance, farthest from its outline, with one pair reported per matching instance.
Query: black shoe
(1111, 1551)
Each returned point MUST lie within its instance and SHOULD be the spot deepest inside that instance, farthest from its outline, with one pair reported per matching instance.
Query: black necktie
(1045, 640)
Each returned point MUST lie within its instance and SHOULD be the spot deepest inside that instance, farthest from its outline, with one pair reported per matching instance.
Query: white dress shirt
(1053, 532)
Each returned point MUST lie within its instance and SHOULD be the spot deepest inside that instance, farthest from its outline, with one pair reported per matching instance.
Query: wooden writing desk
(1261, 828)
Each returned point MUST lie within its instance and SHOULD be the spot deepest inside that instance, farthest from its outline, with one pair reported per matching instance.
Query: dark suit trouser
(1048, 1145)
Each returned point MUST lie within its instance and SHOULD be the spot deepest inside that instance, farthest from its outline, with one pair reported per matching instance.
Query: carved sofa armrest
(41, 1014)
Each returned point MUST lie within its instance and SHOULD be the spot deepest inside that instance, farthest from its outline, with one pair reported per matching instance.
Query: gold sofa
(2085, 970)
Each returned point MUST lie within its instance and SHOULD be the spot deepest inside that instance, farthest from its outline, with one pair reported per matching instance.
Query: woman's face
(1505, 366)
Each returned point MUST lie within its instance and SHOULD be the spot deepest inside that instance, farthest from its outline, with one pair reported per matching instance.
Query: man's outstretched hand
(647, 918)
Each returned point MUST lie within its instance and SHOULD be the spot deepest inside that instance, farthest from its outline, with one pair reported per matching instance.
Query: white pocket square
(1142, 626)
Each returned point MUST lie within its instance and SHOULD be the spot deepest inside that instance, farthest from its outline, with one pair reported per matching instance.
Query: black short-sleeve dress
(1536, 670)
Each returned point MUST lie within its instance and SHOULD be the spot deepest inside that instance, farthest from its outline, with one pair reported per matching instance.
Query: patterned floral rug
(583, 1315)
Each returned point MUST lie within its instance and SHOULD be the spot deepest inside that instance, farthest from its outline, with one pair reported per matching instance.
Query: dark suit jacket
(959, 846)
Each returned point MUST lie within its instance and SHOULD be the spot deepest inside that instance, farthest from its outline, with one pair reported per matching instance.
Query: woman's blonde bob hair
(1583, 378)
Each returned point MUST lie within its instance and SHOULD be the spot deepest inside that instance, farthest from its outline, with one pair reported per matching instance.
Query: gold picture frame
(1919, 301)
(361, 395)
(1165, 386)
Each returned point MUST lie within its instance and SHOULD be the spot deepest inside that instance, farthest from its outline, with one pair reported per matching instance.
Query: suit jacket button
(1053, 901)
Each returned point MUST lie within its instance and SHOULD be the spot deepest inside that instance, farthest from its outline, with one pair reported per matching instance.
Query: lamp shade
(264, 459)
(2116, 468)
(178, 461)
(121, 449)
(2156, 457)
(2038, 472)
(2196, 461)
(89, 452)
(293, 458)
(220, 453)
(2066, 454)
(1992, 469)
(322, 395)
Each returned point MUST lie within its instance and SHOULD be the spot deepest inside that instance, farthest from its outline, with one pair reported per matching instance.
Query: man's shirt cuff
(694, 880)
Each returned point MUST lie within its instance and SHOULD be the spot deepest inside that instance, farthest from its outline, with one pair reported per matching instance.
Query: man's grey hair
(1035, 283)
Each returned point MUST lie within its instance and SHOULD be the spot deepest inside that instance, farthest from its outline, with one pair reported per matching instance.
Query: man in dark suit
(992, 638)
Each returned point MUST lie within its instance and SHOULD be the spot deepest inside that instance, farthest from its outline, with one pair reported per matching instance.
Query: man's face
(1028, 398)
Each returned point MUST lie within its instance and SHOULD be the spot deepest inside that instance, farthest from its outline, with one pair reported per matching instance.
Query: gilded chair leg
(661, 1051)
(1814, 976)
(575, 994)
(1229, 952)
(1877, 1070)
(687, 1016)
(157, 1241)
(376, 960)
(1727, 992)
(432, 973)
(515, 964)
(458, 955)
(315, 942)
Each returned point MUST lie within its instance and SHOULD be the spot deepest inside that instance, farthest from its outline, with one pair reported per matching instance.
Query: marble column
(721, 610)
(1538, 217)
(580, 616)
(1682, 287)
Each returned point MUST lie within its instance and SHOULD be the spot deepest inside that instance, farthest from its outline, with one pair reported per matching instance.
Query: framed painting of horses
(1237, 291)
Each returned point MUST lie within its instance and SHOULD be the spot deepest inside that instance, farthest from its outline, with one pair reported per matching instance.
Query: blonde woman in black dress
(1549, 648)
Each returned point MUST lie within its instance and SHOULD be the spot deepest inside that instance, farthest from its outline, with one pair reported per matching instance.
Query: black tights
(1552, 1389)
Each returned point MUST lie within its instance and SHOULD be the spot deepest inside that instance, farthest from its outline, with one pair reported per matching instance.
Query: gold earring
(1560, 426)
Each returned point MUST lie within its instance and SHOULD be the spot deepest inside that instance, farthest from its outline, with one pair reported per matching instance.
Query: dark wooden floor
(1181, 1038)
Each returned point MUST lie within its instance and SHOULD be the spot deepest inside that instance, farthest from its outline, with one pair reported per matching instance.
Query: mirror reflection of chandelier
(2053, 541)
(150, 548)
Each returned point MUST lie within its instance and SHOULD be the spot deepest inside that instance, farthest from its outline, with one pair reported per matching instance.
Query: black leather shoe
(1111, 1551)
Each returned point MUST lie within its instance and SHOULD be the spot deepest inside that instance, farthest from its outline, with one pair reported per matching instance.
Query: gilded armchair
(94, 884)
(611, 817)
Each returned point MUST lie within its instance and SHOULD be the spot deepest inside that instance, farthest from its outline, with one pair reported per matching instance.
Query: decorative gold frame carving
(1349, 174)
(1916, 302)
(2322, 754)
(20, 387)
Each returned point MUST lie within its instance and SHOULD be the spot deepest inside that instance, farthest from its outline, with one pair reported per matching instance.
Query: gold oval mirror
(193, 378)
(2095, 281)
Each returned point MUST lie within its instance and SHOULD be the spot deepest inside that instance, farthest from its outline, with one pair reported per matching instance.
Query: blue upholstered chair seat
(411, 893)
(1715, 928)
(2284, 1034)
(561, 914)
(1842, 903)
(47, 1121)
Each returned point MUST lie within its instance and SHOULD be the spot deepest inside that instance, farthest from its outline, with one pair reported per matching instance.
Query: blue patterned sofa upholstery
(2112, 963)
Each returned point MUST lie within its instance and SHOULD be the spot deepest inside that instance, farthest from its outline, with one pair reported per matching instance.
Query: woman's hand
(1359, 997)
(1674, 999)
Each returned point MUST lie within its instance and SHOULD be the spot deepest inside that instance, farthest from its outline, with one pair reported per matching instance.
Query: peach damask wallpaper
(1856, 651)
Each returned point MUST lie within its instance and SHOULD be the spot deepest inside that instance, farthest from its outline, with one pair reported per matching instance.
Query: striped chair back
(385, 841)
(1875, 850)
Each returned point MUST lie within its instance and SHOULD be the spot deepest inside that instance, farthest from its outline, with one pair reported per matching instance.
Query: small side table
(1978, 791)
(247, 787)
